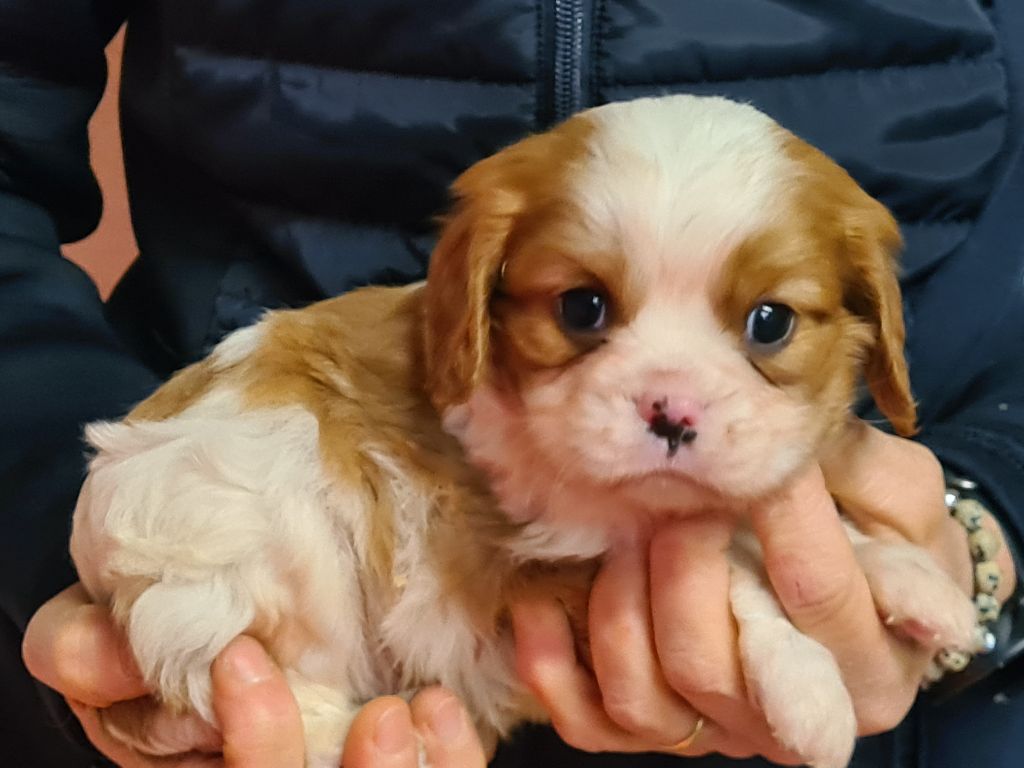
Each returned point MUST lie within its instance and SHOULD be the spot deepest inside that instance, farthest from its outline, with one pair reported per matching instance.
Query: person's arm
(60, 363)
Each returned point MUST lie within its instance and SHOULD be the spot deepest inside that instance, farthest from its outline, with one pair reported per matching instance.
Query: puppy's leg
(791, 677)
(175, 632)
(327, 713)
(155, 729)
(152, 728)
(914, 595)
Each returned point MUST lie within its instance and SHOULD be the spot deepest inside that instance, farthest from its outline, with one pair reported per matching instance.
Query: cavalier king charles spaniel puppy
(657, 307)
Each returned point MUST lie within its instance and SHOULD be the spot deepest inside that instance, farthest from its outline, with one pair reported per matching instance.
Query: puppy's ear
(874, 242)
(464, 270)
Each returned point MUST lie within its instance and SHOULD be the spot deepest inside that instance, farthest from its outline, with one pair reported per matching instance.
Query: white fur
(676, 182)
(229, 518)
(237, 346)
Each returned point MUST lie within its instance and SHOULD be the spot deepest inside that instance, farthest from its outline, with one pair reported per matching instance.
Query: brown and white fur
(365, 484)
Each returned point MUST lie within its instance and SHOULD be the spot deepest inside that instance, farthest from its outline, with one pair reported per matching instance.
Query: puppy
(658, 307)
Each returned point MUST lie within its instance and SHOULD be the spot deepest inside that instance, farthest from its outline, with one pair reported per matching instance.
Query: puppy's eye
(769, 326)
(583, 310)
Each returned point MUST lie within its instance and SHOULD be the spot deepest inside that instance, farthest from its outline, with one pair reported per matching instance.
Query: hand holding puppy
(663, 639)
(74, 647)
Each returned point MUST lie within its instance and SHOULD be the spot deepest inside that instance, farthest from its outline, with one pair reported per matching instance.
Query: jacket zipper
(568, 91)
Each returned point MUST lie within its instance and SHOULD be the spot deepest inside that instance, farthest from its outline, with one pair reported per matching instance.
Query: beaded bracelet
(984, 546)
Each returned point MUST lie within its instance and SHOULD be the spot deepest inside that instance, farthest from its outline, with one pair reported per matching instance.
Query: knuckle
(537, 676)
(619, 635)
(816, 594)
(923, 466)
(631, 713)
(577, 737)
(687, 672)
(924, 463)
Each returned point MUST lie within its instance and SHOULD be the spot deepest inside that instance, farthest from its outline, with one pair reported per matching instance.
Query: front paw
(797, 684)
(154, 729)
(792, 678)
(916, 598)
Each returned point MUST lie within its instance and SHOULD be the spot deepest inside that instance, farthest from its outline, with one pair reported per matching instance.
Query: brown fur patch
(355, 363)
(871, 242)
(183, 389)
(505, 208)
(831, 257)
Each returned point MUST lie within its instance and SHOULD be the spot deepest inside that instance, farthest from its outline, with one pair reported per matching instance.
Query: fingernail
(249, 662)
(447, 720)
(393, 732)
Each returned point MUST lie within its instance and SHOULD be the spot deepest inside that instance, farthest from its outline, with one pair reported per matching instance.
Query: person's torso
(279, 151)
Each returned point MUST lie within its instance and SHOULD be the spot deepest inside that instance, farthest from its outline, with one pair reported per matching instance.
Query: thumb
(258, 715)
(886, 482)
(75, 648)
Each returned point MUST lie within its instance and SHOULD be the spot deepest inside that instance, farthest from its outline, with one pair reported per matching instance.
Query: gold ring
(689, 740)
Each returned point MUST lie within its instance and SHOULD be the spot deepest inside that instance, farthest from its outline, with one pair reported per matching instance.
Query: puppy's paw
(792, 678)
(155, 729)
(797, 684)
(916, 598)
(327, 714)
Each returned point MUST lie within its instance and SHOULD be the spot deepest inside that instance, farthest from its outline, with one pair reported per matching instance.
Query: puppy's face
(667, 293)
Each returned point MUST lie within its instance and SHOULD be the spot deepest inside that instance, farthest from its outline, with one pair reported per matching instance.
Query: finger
(382, 736)
(448, 737)
(126, 757)
(907, 497)
(259, 718)
(547, 664)
(633, 689)
(73, 646)
(811, 564)
(694, 630)
(815, 576)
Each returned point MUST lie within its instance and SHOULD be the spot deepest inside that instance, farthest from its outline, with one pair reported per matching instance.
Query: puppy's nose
(673, 420)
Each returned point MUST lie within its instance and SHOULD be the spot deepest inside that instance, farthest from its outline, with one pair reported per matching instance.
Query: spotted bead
(987, 577)
(983, 543)
(970, 514)
(987, 607)
(953, 660)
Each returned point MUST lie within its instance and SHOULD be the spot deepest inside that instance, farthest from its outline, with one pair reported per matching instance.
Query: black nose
(674, 433)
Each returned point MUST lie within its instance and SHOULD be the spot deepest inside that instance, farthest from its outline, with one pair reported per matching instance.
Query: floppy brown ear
(464, 269)
(874, 240)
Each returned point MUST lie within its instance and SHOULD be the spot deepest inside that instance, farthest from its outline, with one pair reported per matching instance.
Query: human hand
(663, 639)
(666, 675)
(74, 647)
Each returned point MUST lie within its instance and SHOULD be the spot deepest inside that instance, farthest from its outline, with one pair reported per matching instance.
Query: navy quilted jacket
(282, 150)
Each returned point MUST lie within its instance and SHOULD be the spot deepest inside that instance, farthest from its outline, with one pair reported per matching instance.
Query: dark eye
(582, 310)
(769, 326)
